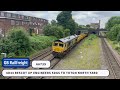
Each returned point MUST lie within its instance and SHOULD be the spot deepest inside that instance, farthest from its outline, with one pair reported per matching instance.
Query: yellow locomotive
(63, 46)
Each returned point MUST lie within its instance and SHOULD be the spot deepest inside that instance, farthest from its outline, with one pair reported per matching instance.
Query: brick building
(9, 20)
(95, 25)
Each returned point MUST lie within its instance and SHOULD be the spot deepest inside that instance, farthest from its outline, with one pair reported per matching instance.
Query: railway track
(112, 61)
(41, 56)
(54, 61)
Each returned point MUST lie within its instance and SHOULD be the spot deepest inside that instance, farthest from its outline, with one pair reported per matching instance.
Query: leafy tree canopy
(112, 21)
(65, 19)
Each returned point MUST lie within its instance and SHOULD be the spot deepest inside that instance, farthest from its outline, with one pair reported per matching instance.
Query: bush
(112, 21)
(112, 34)
(115, 42)
(67, 32)
(19, 44)
(19, 37)
(11, 55)
(41, 42)
(7, 46)
(31, 31)
(117, 48)
(56, 30)
(92, 37)
(51, 30)
(118, 37)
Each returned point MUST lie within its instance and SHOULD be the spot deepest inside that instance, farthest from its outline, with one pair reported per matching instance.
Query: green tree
(31, 31)
(112, 21)
(47, 30)
(112, 34)
(7, 46)
(72, 26)
(87, 26)
(65, 19)
(58, 31)
(21, 38)
(53, 22)
(53, 30)
(82, 26)
(118, 37)
(66, 32)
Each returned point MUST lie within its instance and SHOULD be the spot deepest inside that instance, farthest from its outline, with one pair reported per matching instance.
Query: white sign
(41, 64)
(55, 72)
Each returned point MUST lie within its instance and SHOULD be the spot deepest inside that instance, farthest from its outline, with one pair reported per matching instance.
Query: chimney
(99, 24)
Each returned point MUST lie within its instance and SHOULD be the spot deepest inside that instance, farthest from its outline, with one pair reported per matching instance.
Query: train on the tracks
(62, 46)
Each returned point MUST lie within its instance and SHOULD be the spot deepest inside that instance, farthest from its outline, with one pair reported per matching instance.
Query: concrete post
(4, 54)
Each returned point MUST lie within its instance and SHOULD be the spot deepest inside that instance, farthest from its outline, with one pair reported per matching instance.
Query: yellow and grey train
(62, 46)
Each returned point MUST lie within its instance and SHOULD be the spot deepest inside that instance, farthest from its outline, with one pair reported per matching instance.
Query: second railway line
(111, 60)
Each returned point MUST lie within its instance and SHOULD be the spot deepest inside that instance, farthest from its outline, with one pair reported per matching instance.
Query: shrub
(112, 21)
(115, 42)
(7, 46)
(92, 37)
(20, 37)
(118, 37)
(41, 42)
(19, 44)
(112, 34)
(67, 32)
(50, 30)
(118, 49)
(11, 55)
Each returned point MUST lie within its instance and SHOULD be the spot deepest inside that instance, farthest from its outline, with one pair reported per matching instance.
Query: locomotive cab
(62, 46)
(58, 47)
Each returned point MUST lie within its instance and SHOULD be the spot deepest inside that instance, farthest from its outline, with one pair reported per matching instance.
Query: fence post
(4, 54)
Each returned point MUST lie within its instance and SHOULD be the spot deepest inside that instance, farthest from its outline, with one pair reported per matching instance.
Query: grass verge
(84, 57)
(114, 45)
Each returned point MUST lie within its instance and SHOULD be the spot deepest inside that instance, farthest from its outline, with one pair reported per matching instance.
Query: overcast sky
(81, 17)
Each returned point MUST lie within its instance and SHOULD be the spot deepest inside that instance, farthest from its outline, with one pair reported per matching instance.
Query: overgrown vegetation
(19, 43)
(55, 30)
(114, 33)
(41, 42)
(112, 21)
(115, 45)
(113, 27)
(31, 32)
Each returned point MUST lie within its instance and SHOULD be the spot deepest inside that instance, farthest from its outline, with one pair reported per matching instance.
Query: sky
(81, 17)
